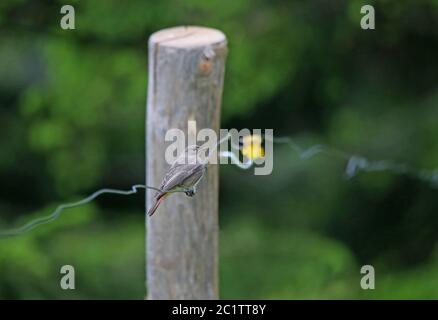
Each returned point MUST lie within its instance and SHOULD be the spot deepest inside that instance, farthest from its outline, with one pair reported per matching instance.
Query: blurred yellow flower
(252, 147)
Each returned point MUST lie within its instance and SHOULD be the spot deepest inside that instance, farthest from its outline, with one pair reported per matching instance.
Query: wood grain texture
(186, 71)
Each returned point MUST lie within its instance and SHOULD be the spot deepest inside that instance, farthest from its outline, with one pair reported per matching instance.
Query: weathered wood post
(186, 71)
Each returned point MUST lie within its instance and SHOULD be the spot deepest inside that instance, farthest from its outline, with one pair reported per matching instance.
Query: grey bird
(182, 175)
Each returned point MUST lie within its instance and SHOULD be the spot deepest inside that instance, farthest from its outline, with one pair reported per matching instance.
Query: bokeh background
(72, 107)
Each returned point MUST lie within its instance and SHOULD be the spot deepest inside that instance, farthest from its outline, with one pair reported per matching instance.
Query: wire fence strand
(355, 164)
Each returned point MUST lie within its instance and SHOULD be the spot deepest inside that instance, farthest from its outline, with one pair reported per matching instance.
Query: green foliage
(259, 262)
(72, 121)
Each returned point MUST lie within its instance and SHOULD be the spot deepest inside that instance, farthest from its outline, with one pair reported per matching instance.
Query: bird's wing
(178, 174)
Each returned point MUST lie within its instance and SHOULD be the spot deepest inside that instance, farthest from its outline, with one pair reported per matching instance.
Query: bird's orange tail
(156, 204)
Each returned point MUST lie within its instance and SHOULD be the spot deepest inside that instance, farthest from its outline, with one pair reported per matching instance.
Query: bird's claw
(190, 192)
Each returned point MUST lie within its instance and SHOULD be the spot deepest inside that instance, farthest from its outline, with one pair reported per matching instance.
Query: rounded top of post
(187, 37)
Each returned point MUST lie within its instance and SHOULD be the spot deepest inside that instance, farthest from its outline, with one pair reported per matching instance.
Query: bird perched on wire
(184, 175)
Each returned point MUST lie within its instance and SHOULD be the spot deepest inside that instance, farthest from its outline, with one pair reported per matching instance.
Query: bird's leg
(191, 191)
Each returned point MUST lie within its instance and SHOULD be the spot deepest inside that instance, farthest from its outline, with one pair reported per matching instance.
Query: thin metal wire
(55, 214)
(355, 163)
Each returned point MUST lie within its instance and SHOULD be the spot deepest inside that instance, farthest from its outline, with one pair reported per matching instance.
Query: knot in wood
(206, 63)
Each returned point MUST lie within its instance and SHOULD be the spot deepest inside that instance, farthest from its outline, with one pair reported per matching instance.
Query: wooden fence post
(186, 71)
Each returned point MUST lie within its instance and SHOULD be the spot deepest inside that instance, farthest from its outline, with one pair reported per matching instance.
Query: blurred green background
(72, 107)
